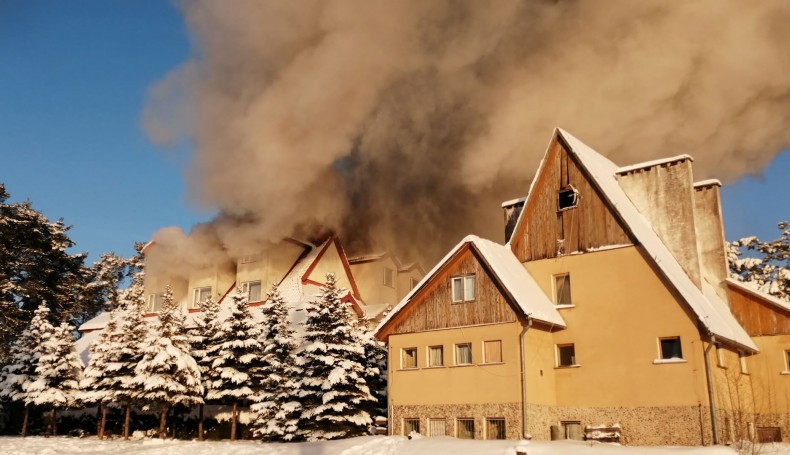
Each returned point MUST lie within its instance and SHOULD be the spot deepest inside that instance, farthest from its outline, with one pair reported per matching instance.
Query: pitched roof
(713, 314)
(504, 266)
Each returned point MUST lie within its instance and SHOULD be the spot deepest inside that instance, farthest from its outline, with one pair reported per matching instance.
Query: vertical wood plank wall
(588, 225)
(433, 307)
(757, 317)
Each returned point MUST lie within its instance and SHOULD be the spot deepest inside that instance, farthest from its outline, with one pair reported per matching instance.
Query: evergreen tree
(769, 269)
(276, 412)
(57, 373)
(25, 352)
(207, 324)
(237, 356)
(167, 375)
(333, 389)
(375, 372)
(132, 333)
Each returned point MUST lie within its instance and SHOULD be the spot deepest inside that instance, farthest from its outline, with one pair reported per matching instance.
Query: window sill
(408, 369)
(433, 367)
(722, 366)
(563, 307)
(666, 361)
(462, 365)
(785, 373)
(565, 367)
(492, 363)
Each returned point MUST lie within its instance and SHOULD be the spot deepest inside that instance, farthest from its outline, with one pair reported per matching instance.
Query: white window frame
(389, 277)
(429, 357)
(152, 301)
(196, 292)
(403, 358)
(558, 363)
(660, 359)
(456, 352)
(554, 279)
(245, 288)
(463, 281)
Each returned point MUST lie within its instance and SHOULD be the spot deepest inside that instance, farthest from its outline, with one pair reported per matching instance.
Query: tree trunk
(53, 423)
(126, 420)
(233, 421)
(103, 420)
(24, 420)
(200, 423)
(163, 422)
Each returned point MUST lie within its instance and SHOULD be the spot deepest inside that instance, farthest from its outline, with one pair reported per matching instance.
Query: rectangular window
(463, 288)
(670, 348)
(567, 198)
(562, 290)
(389, 277)
(411, 426)
(437, 427)
(155, 302)
(566, 355)
(465, 428)
(493, 351)
(742, 358)
(572, 430)
(409, 358)
(436, 356)
(721, 356)
(253, 290)
(787, 360)
(463, 354)
(495, 428)
(200, 295)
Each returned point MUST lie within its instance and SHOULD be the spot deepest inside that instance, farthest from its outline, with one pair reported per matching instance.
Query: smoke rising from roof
(404, 124)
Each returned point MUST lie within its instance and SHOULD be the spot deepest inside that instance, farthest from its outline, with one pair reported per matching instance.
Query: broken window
(670, 348)
(568, 198)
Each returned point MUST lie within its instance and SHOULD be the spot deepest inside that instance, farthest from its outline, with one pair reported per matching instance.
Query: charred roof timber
(512, 210)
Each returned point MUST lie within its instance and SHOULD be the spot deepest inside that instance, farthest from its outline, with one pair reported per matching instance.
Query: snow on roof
(96, 323)
(291, 285)
(525, 292)
(776, 301)
(716, 318)
(649, 164)
(709, 182)
(83, 345)
(514, 201)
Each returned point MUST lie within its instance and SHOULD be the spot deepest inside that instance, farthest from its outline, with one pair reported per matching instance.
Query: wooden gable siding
(758, 318)
(433, 308)
(588, 225)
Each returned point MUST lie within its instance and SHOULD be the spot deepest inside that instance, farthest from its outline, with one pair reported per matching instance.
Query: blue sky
(73, 78)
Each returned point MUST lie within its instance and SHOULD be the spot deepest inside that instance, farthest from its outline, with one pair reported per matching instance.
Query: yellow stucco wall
(272, 266)
(477, 383)
(369, 277)
(621, 310)
(770, 375)
(330, 262)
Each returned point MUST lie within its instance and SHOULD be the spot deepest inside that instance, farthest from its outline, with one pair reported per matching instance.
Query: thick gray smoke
(404, 124)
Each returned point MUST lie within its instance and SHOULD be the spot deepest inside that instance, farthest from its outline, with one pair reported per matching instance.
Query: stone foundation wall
(511, 412)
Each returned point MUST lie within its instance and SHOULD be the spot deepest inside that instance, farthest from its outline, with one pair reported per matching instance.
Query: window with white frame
(495, 428)
(463, 288)
(408, 358)
(562, 290)
(566, 355)
(253, 290)
(155, 302)
(435, 356)
(492, 351)
(437, 427)
(463, 354)
(670, 348)
(465, 428)
(200, 295)
(411, 425)
(389, 277)
(742, 359)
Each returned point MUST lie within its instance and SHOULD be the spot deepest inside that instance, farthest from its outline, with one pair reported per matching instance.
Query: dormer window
(567, 198)
(155, 302)
(200, 295)
(253, 290)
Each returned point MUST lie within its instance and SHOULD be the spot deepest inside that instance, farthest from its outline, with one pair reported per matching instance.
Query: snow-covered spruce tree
(333, 389)
(375, 371)
(25, 352)
(206, 326)
(133, 331)
(237, 356)
(769, 271)
(167, 375)
(276, 412)
(58, 372)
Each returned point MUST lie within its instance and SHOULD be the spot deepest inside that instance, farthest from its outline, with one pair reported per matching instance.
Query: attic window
(567, 198)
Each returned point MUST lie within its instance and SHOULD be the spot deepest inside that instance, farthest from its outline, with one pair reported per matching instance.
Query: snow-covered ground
(372, 445)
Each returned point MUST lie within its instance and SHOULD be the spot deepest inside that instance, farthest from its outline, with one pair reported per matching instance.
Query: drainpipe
(714, 424)
(390, 427)
(524, 431)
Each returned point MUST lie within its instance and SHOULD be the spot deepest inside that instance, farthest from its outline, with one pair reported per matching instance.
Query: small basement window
(465, 428)
(437, 427)
(566, 355)
(409, 358)
(670, 348)
(411, 425)
(567, 198)
(495, 428)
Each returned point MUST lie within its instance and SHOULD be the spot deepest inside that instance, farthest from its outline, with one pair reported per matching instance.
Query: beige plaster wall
(621, 310)
(404, 282)
(369, 277)
(155, 284)
(330, 262)
(274, 263)
(220, 277)
(477, 383)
